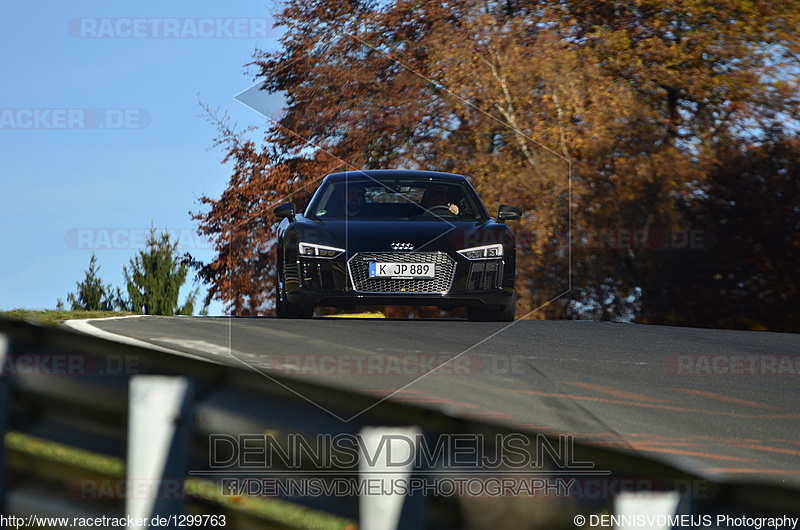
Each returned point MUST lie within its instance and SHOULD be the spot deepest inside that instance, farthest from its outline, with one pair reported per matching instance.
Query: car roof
(387, 174)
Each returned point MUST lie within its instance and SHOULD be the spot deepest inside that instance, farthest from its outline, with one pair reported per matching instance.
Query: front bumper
(345, 281)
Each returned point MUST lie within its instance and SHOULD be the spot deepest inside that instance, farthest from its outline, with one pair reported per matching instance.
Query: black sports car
(394, 237)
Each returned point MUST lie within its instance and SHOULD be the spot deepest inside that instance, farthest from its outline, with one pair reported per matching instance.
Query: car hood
(363, 235)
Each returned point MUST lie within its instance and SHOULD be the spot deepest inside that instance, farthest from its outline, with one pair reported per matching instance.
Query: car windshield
(398, 199)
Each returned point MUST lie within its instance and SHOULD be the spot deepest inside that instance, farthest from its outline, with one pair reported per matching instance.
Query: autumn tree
(590, 115)
(706, 68)
(325, 128)
(539, 113)
(716, 77)
(240, 222)
(743, 273)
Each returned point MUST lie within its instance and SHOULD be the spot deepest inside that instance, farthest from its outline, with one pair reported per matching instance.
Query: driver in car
(354, 198)
(437, 196)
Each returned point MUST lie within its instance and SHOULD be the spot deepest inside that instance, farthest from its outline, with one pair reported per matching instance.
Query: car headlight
(319, 251)
(486, 252)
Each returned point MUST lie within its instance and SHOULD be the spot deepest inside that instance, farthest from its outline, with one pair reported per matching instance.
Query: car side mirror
(285, 211)
(508, 213)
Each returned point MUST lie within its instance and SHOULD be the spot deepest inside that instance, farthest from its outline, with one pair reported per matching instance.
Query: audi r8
(396, 237)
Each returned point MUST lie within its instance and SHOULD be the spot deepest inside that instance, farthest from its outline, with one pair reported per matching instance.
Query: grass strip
(282, 512)
(54, 317)
(65, 454)
(277, 510)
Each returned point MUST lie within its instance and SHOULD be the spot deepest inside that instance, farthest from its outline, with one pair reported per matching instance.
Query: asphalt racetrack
(723, 404)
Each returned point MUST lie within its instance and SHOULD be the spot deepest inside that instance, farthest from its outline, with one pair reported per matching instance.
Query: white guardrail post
(657, 508)
(157, 459)
(386, 458)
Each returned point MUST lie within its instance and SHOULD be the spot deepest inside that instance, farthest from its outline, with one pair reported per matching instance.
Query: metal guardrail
(153, 434)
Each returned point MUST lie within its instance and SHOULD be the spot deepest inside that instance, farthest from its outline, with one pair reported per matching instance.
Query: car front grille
(359, 273)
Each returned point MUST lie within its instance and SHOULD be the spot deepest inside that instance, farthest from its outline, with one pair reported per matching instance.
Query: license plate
(401, 270)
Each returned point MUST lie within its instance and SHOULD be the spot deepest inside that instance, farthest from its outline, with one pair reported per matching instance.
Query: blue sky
(69, 186)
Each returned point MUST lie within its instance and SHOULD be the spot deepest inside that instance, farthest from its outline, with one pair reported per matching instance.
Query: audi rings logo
(402, 246)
